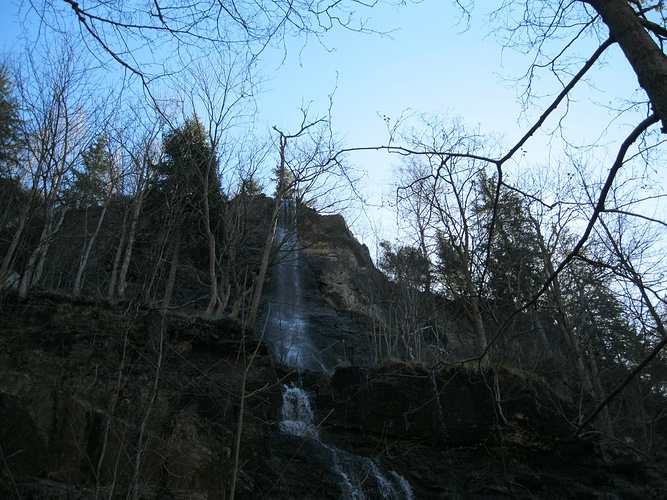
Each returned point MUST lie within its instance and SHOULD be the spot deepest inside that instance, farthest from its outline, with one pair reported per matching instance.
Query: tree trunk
(169, 289)
(5, 269)
(242, 289)
(86, 254)
(33, 270)
(24, 286)
(268, 244)
(545, 350)
(54, 227)
(239, 423)
(264, 266)
(644, 55)
(224, 290)
(8, 260)
(113, 279)
(109, 420)
(474, 311)
(567, 331)
(212, 257)
(131, 236)
(480, 332)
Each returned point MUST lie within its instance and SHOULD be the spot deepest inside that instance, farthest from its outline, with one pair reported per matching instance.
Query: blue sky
(432, 64)
(428, 63)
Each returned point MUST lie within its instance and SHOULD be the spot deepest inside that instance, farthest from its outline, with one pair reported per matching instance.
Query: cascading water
(297, 415)
(287, 330)
(288, 334)
(360, 477)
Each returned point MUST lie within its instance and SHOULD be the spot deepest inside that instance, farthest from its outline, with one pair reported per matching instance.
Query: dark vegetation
(105, 399)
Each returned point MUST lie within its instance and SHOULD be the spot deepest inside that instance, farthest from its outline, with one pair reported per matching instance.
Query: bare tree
(221, 87)
(58, 110)
(139, 141)
(439, 192)
(159, 39)
(236, 261)
(555, 32)
(309, 161)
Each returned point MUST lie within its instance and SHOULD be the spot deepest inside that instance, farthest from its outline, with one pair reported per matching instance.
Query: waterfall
(360, 477)
(288, 334)
(297, 415)
(403, 483)
(288, 328)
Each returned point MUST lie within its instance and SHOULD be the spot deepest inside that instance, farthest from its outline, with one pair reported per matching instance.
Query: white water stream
(297, 415)
(288, 334)
(287, 327)
(360, 477)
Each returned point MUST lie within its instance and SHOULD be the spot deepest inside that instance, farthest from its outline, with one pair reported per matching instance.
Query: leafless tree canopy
(154, 38)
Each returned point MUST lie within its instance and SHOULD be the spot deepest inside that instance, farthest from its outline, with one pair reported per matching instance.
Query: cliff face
(346, 273)
(119, 400)
(335, 275)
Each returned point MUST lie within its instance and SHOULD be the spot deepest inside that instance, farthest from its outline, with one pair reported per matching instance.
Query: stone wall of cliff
(107, 400)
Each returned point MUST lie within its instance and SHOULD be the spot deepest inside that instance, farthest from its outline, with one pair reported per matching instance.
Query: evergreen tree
(409, 270)
(10, 124)
(514, 264)
(97, 173)
(11, 192)
(183, 172)
(250, 187)
(488, 257)
(93, 188)
(185, 201)
(406, 265)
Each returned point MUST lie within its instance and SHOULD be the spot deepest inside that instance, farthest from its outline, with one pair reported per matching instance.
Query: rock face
(334, 273)
(454, 407)
(118, 400)
(455, 433)
(345, 271)
(122, 401)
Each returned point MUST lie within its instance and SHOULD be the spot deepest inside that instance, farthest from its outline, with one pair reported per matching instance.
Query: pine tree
(187, 199)
(93, 187)
(10, 124)
(514, 263)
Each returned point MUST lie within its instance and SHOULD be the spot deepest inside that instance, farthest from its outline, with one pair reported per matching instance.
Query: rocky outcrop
(113, 399)
(120, 399)
(345, 270)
